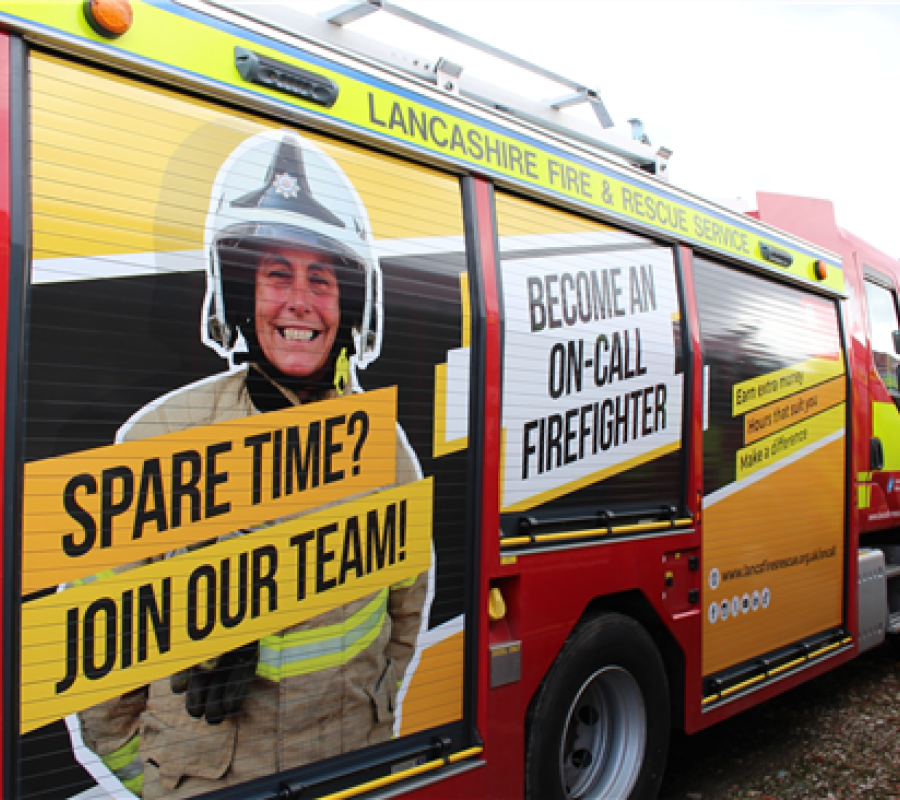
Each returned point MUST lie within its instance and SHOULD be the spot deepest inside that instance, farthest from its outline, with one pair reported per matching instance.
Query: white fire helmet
(278, 188)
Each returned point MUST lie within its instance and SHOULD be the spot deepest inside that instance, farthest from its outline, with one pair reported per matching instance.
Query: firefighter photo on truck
(292, 277)
(236, 580)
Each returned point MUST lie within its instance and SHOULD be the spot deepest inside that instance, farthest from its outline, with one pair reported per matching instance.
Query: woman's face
(297, 309)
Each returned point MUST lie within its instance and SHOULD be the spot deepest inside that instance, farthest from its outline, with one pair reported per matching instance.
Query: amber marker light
(109, 18)
(820, 270)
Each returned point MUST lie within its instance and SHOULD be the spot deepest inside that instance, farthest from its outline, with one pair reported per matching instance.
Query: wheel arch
(635, 604)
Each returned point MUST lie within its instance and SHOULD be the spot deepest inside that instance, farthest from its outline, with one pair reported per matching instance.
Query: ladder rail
(452, 33)
(581, 93)
(543, 116)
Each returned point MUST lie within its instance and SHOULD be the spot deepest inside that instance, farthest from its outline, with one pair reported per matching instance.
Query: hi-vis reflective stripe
(107, 573)
(322, 648)
(125, 763)
(886, 426)
(184, 42)
(863, 491)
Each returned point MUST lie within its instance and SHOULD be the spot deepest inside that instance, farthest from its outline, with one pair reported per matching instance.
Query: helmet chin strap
(318, 391)
(298, 390)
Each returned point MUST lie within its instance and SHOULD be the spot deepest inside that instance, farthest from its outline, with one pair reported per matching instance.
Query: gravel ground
(835, 737)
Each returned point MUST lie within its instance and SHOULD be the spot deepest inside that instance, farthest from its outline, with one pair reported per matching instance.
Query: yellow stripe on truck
(187, 45)
(886, 426)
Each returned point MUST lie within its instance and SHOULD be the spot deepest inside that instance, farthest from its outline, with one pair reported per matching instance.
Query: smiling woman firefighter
(292, 303)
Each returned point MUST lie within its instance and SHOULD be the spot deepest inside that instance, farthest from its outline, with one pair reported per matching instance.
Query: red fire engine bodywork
(546, 597)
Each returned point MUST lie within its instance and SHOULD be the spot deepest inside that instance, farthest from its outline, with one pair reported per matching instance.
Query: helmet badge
(286, 188)
(286, 185)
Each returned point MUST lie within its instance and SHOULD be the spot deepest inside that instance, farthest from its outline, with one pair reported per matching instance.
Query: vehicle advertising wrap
(246, 446)
(592, 375)
(775, 392)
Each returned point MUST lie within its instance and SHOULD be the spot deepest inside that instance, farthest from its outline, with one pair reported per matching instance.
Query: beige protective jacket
(340, 671)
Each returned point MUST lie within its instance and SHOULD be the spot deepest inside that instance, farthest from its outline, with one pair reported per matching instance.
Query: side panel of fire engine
(871, 318)
(775, 465)
(593, 374)
(593, 481)
(246, 444)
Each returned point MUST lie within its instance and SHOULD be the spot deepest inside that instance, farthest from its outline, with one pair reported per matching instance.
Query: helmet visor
(257, 237)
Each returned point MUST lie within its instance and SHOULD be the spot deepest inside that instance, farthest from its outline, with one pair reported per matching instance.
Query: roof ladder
(330, 27)
(352, 12)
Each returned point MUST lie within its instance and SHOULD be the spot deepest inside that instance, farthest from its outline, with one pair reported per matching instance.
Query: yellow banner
(84, 645)
(98, 509)
(760, 391)
(778, 416)
(763, 589)
(791, 440)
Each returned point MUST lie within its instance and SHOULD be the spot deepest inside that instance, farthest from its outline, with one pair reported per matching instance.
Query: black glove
(217, 689)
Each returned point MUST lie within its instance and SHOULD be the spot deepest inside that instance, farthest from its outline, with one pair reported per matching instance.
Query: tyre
(598, 727)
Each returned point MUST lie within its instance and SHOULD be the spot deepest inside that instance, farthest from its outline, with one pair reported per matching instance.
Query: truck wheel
(598, 728)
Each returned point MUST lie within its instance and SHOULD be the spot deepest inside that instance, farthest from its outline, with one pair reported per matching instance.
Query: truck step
(891, 571)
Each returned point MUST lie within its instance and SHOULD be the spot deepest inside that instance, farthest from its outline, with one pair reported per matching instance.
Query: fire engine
(371, 431)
